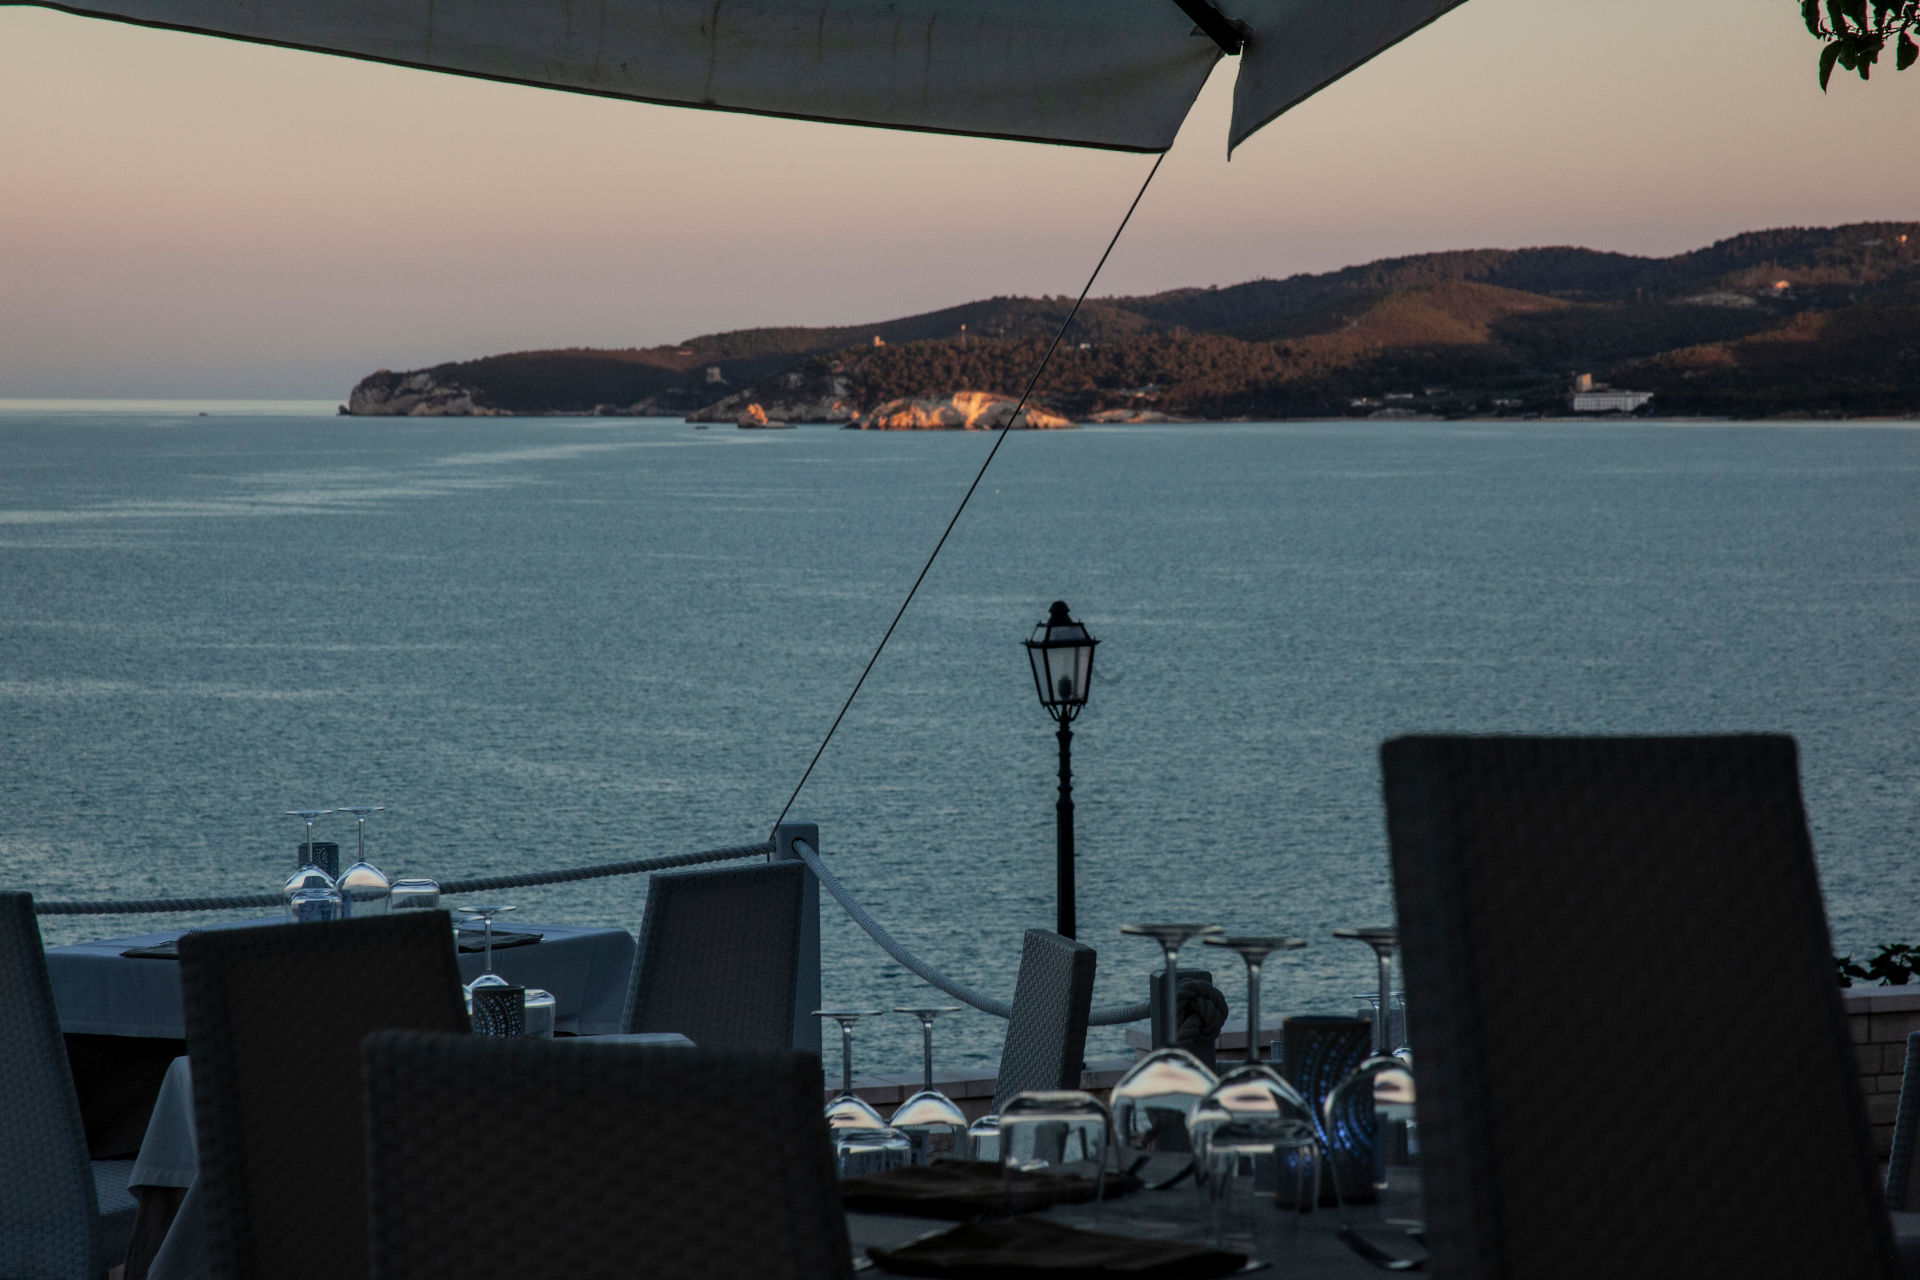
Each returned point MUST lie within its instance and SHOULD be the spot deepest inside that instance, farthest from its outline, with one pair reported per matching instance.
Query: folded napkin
(168, 950)
(472, 940)
(962, 1190)
(1016, 1247)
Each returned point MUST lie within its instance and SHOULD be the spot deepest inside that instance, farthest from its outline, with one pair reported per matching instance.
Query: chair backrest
(275, 1016)
(1629, 1046)
(719, 956)
(1903, 1177)
(47, 1202)
(1047, 1034)
(495, 1157)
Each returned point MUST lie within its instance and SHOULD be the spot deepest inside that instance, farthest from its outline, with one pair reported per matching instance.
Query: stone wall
(1880, 1018)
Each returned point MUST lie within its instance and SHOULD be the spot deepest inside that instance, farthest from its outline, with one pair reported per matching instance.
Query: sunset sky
(185, 216)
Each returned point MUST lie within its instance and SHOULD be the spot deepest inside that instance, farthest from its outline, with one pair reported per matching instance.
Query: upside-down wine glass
(414, 895)
(487, 978)
(862, 1141)
(1154, 1099)
(1255, 950)
(364, 888)
(1370, 1130)
(934, 1126)
(308, 875)
(1256, 1156)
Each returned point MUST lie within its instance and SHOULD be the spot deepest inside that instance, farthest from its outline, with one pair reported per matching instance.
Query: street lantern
(1061, 653)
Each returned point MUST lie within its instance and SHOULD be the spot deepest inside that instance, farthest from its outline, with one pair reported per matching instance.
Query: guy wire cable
(999, 439)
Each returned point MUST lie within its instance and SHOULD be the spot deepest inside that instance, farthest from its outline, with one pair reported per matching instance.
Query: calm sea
(549, 642)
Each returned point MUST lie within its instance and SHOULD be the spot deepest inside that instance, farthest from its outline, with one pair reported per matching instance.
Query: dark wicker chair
(275, 1016)
(719, 956)
(1047, 1034)
(552, 1160)
(1631, 1055)
(63, 1216)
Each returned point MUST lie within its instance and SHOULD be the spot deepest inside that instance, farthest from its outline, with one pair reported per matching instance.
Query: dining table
(118, 1000)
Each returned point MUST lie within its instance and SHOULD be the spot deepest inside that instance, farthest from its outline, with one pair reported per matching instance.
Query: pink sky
(186, 216)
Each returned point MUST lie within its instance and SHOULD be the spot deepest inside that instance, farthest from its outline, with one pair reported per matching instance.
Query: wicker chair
(1631, 1055)
(275, 1016)
(549, 1160)
(63, 1216)
(1047, 1034)
(719, 956)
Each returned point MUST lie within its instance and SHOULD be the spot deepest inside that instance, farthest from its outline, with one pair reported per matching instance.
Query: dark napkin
(168, 950)
(962, 1190)
(472, 940)
(1015, 1247)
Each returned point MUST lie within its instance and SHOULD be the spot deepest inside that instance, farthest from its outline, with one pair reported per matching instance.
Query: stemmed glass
(1255, 1149)
(1154, 1100)
(413, 895)
(309, 876)
(1369, 1116)
(363, 886)
(863, 1143)
(1255, 950)
(487, 978)
(931, 1121)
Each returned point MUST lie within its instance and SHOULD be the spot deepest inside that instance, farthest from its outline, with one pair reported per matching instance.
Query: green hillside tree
(1857, 32)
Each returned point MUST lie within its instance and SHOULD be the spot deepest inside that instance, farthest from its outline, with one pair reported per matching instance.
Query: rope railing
(471, 884)
(1109, 1016)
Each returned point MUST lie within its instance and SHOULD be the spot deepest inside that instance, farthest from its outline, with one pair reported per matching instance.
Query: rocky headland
(1793, 322)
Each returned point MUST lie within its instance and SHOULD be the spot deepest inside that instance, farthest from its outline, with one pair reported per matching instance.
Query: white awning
(1096, 73)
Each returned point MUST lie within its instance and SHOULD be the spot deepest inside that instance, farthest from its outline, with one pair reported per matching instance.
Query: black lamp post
(1061, 652)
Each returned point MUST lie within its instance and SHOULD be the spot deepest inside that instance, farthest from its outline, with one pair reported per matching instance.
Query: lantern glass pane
(1037, 656)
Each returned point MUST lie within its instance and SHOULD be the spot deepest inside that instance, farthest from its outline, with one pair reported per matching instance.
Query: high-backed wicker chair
(598, 1160)
(63, 1216)
(719, 956)
(1629, 1046)
(275, 1016)
(1047, 1034)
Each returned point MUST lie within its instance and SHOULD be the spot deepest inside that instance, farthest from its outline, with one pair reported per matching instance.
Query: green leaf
(1828, 56)
(1837, 15)
(1857, 11)
(1810, 14)
(1906, 53)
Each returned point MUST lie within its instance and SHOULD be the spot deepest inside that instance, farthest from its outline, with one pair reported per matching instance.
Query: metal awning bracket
(1229, 33)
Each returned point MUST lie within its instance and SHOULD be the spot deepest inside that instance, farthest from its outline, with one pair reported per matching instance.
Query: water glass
(413, 895)
(983, 1139)
(1057, 1131)
(541, 1011)
(315, 903)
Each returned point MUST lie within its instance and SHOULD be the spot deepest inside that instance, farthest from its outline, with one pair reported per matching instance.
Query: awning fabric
(1119, 74)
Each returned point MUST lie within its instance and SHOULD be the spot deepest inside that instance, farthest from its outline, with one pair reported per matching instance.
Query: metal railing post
(806, 991)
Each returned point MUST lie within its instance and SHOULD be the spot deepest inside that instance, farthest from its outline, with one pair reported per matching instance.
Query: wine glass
(487, 978)
(413, 895)
(863, 1142)
(364, 888)
(308, 875)
(983, 1139)
(1255, 1152)
(1254, 951)
(541, 1012)
(1372, 1138)
(931, 1121)
(1153, 1100)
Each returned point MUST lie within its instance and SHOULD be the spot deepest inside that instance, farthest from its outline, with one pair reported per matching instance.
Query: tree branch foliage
(1857, 32)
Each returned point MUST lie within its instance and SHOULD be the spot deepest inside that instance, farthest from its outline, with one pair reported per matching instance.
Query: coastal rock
(825, 408)
(756, 417)
(961, 411)
(1134, 416)
(414, 395)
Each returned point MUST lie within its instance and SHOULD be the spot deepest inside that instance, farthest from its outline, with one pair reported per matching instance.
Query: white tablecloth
(99, 991)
